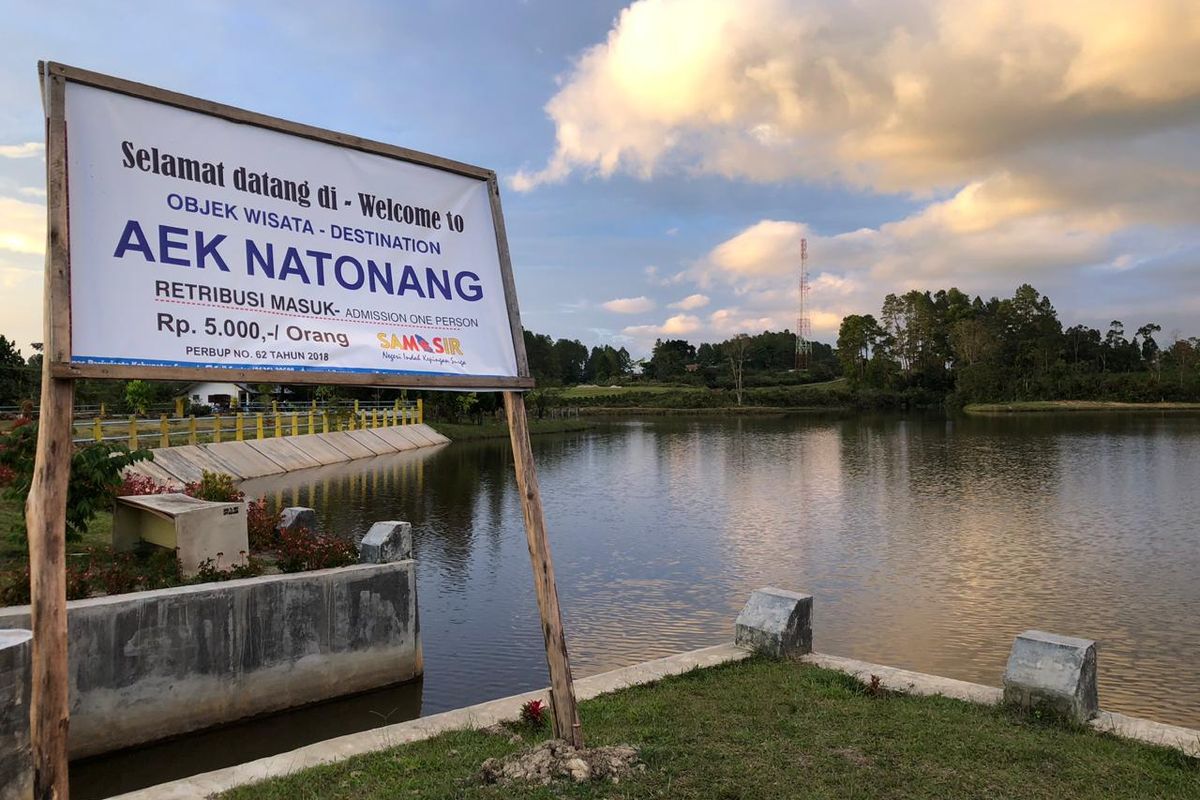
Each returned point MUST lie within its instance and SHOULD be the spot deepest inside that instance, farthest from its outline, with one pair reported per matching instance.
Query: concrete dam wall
(148, 665)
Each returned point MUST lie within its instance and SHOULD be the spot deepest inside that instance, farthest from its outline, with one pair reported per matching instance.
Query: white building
(219, 394)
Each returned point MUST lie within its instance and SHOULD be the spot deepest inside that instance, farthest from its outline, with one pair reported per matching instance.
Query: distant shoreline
(1059, 406)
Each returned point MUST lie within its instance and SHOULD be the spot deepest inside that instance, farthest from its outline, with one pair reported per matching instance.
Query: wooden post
(46, 505)
(295, 424)
(312, 424)
(374, 418)
(562, 688)
(178, 406)
(278, 425)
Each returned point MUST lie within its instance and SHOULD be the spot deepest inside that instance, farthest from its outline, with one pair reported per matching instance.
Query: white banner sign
(200, 242)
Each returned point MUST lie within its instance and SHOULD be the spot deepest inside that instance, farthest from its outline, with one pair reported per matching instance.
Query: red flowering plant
(302, 549)
(533, 713)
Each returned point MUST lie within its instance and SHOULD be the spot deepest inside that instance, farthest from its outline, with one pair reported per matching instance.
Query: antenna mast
(803, 323)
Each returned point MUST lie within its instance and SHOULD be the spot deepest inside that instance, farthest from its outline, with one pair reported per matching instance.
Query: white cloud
(678, 325)
(892, 96)
(629, 305)
(22, 226)
(23, 150)
(691, 302)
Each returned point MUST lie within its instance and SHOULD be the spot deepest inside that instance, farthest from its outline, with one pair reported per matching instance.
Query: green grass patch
(15, 553)
(762, 730)
(498, 430)
(1073, 405)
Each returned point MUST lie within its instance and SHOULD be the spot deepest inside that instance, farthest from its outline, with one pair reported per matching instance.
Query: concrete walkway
(256, 458)
(509, 708)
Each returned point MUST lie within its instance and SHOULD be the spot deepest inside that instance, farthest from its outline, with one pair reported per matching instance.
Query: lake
(928, 543)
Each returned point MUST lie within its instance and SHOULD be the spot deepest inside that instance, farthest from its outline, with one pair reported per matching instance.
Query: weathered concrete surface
(183, 468)
(386, 542)
(153, 664)
(318, 449)
(156, 473)
(369, 440)
(197, 530)
(343, 441)
(395, 438)
(902, 680)
(476, 716)
(283, 453)
(16, 758)
(423, 434)
(205, 459)
(1054, 674)
(293, 518)
(776, 622)
(248, 462)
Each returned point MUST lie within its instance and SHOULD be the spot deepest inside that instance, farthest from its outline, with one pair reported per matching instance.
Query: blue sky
(662, 160)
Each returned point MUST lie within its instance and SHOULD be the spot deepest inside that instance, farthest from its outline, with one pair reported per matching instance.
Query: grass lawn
(588, 392)
(13, 552)
(763, 730)
(1074, 405)
(496, 430)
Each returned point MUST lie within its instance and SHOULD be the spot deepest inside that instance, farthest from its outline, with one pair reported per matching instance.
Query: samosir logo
(443, 345)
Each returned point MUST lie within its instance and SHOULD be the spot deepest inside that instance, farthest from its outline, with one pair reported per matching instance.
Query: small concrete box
(196, 529)
(776, 622)
(1048, 672)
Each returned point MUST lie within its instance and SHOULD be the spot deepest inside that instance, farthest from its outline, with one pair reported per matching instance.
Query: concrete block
(245, 460)
(369, 440)
(16, 757)
(1054, 674)
(346, 444)
(196, 529)
(283, 453)
(147, 665)
(396, 438)
(386, 542)
(319, 450)
(296, 517)
(776, 622)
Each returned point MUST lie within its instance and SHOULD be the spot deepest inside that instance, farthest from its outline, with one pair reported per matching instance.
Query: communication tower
(803, 323)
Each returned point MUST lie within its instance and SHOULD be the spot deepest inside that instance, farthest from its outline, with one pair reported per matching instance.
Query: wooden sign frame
(46, 505)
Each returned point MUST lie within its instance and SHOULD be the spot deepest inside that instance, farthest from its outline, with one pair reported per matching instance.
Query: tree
(737, 350)
(14, 374)
(137, 396)
(857, 339)
(671, 357)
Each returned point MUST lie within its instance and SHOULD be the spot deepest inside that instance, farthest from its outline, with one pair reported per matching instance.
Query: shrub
(216, 487)
(95, 475)
(210, 571)
(302, 549)
(261, 525)
(533, 714)
(138, 485)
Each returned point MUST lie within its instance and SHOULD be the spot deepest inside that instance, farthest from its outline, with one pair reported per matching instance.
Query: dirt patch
(556, 760)
(855, 756)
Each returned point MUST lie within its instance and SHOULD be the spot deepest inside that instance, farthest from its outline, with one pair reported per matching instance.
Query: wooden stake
(46, 506)
(562, 688)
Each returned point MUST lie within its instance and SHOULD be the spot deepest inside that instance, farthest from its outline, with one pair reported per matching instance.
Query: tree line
(946, 344)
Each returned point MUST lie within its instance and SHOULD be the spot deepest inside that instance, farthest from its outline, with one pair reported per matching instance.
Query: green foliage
(17, 379)
(95, 475)
(301, 550)
(138, 396)
(215, 487)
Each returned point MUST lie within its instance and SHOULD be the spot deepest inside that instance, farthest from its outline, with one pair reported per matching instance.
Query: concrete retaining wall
(152, 664)
(256, 458)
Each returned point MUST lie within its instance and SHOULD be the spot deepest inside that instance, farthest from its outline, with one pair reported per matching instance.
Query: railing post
(374, 417)
(420, 411)
(259, 421)
(97, 429)
(352, 420)
(102, 412)
(324, 422)
(295, 424)
(312, 414)
(274, 406)
(237, 427)
(355, 406)
(133, 442)
(178, 407)
(217, 428)
(191, 429)
(164, 431)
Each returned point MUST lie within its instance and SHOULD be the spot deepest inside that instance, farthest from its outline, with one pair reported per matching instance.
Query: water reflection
(929, 542)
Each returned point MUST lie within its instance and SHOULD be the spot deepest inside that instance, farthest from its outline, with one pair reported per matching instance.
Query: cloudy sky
(662, 160)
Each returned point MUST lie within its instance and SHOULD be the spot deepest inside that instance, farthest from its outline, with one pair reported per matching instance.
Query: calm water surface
(928, 544)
